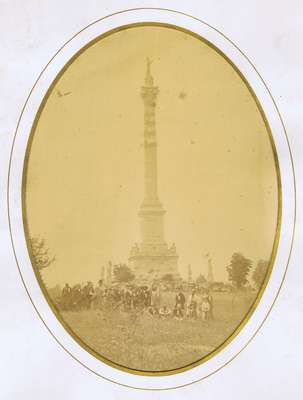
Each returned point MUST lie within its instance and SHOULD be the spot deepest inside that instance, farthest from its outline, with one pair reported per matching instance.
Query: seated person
(164, 312)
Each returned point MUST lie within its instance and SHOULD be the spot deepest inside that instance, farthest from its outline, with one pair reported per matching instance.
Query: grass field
(143, 342)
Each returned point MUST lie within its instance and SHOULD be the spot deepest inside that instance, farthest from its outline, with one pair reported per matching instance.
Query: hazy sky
(217, 177)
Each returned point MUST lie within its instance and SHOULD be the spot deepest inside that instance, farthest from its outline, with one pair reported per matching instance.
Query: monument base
(154, 262)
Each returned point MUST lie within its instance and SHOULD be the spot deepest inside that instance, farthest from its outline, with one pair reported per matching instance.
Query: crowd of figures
(197, 303)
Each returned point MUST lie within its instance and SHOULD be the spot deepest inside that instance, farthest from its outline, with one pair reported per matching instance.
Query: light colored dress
(205, 307)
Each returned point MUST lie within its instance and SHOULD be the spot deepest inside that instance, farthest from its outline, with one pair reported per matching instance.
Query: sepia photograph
(151, 199)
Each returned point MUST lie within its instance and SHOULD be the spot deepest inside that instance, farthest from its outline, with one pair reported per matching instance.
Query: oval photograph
(151, 199)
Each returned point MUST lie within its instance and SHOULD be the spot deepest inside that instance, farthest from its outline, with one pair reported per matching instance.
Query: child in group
(164, 312)
(192, 305)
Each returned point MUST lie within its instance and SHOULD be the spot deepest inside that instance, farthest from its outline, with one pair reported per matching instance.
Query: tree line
(237, 270)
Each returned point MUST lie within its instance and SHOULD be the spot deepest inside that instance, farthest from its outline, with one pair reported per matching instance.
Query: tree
(168, 277)
(122, 273)
(42, 259)
(238, 270)
(259, 273)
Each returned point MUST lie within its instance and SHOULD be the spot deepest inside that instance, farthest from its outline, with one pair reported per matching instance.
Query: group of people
(195, 304)
(198, 305)
(79, 297)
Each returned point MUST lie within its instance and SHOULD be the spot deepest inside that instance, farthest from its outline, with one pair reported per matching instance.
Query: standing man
(66, 297)
(97, 301)
(88, 292)
(180, 303)
(211, 304)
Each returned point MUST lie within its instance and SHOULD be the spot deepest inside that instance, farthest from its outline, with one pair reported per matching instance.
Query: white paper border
(15, 202)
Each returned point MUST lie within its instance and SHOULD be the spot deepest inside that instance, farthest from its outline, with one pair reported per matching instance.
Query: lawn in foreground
(139, 341)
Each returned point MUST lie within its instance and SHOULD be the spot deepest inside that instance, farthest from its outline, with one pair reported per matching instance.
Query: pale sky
(217, 176)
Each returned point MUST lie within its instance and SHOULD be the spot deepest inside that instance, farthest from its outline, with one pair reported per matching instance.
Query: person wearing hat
(179, 305)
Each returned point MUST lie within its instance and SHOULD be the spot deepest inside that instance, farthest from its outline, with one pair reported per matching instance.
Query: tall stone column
(151, 212)
(152, 258)
(149, 94)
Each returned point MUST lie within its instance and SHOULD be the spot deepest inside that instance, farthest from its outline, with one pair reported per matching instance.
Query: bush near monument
(122, 273)
(238, 270)
(259, 273)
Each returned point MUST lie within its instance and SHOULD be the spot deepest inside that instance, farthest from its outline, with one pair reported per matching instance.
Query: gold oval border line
(55, 310)
(251, 310)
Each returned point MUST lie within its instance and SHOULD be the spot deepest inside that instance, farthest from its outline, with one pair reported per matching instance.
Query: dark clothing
(180, 300)
(179, 307)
